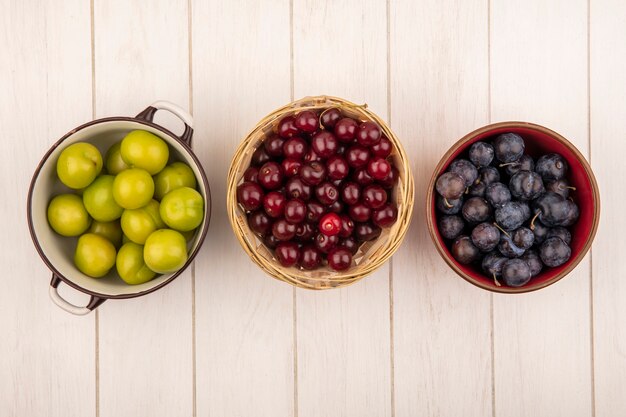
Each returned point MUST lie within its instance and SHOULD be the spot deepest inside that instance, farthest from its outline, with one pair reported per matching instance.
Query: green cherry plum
(94, 255)
(173, 176)
(67, 215)
(133, 188)
(112, 231)
(99, 201)
(79, 164)
(165, 251)
(182, 209)
(138, 224)
(130, 265)
(113, 160)
(142, 149)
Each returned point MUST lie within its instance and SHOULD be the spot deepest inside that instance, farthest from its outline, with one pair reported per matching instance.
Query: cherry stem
(495, 280)
(502, 230)
(532, 222)
(445, 201)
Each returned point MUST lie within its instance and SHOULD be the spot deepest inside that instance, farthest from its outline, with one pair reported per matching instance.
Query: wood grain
(146, 366)
(47, 356)
(340, 49)
(439, 92)
(542, 339)
(608, 129)
(413, 339)
(244, 318)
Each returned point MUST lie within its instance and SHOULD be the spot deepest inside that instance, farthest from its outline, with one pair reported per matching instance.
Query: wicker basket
(371, 255)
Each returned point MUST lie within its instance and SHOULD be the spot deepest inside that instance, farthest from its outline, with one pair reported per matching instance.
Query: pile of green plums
(137, 213)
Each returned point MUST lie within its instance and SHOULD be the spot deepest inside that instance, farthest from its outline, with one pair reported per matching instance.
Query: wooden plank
(542, 340)
(146, 364)
(439, 92)
(244, 319)
(340, 48)
(47, 356)
(608, 128)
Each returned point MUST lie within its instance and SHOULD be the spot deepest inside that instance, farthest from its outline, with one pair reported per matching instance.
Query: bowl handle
(65, 305)
(148, 115)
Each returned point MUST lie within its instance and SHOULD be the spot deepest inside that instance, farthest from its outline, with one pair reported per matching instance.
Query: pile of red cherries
(319, 187)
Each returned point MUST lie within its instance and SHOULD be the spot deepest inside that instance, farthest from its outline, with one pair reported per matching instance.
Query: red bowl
(538, 140)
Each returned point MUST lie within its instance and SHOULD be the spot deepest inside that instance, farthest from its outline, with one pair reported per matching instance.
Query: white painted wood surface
(607, 129)
(244, 320)
(343, 336)
(224, 339)
(145, 339)
(543, 339)
(441, 324)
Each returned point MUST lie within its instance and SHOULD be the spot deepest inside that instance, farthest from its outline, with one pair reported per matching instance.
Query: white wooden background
(225, 340)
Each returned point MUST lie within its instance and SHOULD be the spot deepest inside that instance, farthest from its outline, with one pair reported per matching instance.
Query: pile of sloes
(506, 212)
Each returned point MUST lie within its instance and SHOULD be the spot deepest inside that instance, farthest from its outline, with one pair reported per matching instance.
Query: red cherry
(305, 232)
(310, 258)
(287, 127)
(382, 148)
(345, 129)
(251, 174)
(325, 243)
(314, 211)
(271, 176)
(357, 156)
(391, 179)
(385, 216)
(313, 173)
(330, 224)
(270, 241)
(260, 156)
(337, 167)
(324, 144)
(274, 204)
(250, 195)
(330, 118)
(295, 211)
(326, 193)
(283, 230)
(295, 148)
(364, 232)
(296, 188)
(368, 134)
(274, 145)
(307, 121)
(336, 207)
(374, 196)
(362, 177)
(311, 156)
(359, 212)
(291, 167)
(351, 244)
(339, 258)
(350, 193)
(287, 253)
(378, 168)
(259, 222)
(347, 226)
